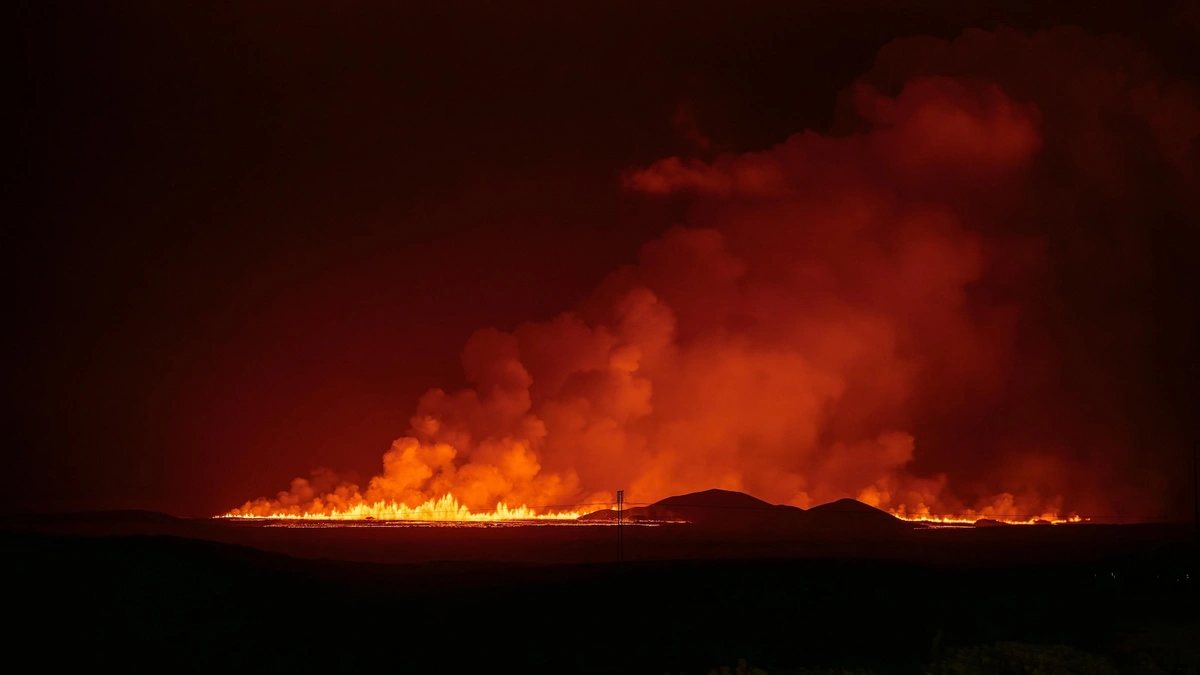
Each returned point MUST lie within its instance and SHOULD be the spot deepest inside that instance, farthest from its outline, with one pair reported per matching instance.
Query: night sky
(247, 237)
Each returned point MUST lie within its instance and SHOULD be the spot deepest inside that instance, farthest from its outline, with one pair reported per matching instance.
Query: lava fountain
(445, 509)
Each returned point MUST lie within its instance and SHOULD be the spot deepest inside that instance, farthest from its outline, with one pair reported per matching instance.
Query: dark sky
(246, 237)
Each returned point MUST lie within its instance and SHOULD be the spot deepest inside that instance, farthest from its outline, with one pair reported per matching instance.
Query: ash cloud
(972, 295)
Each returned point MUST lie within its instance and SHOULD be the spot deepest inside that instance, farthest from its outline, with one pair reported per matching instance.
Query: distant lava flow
(446, 509)
(1049, 518)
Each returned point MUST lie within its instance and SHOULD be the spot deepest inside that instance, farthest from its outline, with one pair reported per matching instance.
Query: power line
(620, 533)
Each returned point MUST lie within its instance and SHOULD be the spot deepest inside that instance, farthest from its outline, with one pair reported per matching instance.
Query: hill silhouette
(848, 505)
(851, 516)
(707, 507)
(988, 522)
(730, 509)
(723, 508)
(722, 499)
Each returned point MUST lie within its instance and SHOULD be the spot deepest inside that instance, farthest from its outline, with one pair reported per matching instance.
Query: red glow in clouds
(890, 312)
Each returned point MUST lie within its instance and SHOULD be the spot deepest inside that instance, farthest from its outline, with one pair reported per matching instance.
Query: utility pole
(620, 540)
(1196, 487)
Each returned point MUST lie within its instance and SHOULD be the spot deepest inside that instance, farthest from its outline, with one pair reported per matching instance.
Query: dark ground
(194, 595)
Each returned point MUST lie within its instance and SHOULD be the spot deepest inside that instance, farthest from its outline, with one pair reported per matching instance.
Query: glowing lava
(446, 509)
(1049, 518)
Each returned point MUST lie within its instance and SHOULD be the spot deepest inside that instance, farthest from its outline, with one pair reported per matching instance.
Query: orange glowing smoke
(1003, 509)
(875, 313)
(445, 509)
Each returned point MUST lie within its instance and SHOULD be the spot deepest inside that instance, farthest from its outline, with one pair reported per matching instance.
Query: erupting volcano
(890, 311)
(445, 509)
(691, 337)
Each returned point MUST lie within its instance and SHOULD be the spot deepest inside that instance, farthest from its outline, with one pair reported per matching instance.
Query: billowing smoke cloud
(964, 298)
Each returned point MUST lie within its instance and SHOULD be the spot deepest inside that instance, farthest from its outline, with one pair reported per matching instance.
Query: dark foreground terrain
(1090, 599)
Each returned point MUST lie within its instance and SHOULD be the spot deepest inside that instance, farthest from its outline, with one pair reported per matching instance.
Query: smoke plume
(970, 296)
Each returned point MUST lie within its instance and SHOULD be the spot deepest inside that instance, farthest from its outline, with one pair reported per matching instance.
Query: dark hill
(988, 522)
(724, 508)
(611, 514)
(693, 507)
(848, 506)
(715, 499)
(849, 516)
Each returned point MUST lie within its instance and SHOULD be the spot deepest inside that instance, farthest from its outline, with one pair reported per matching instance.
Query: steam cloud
(957, 301)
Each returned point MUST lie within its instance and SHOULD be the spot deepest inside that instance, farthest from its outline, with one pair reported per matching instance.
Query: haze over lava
(953, 302)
